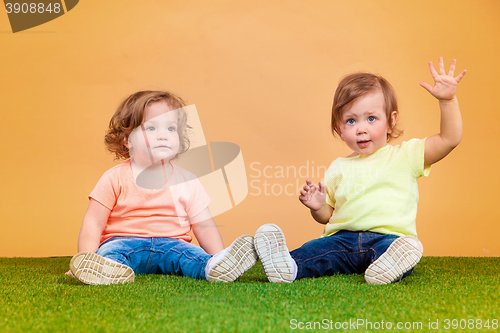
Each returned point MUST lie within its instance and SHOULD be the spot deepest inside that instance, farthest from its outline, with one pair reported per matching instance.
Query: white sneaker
(402, 255)
(91, 268)
(270, 245)
(232, 262)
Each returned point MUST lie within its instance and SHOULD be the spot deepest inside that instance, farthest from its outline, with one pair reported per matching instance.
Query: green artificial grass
(36, 296)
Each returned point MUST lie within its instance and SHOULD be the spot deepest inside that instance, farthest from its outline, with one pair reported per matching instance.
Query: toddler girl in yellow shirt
(368, 200)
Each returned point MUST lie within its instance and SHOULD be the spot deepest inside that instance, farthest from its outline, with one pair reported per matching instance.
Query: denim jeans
(345, 252)
(157, 255)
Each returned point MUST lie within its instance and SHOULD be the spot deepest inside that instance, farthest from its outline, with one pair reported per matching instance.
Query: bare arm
(314, 198)
(441, 144)
(323, 215)
(206, 232)
(93, 224)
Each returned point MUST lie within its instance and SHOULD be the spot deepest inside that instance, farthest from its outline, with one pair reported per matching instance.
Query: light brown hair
(130, 114)
(354, 86)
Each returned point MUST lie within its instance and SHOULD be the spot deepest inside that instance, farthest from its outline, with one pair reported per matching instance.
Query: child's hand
(69, 273)
(312, 196)
(445, 86)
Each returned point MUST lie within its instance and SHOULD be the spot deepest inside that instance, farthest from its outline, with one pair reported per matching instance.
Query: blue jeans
(157, 255)
(345, 252)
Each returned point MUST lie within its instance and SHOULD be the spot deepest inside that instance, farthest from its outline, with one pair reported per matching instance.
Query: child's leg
(91, 268)
(339, 253)
(116, 261)
(123, 256)
(344, 252)
(177, 257)
(271, 248)
(171, 256)
(232, 262)
(393, 259)
(120, 249)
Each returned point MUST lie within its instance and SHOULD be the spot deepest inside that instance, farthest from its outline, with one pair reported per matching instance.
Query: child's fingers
(441, 66)
(433, 70)
(307, 189)
(426, 86)
(460, 76)
(322, 187)
(304, 196)
(451, 72)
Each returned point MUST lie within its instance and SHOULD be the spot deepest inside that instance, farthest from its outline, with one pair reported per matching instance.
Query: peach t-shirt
(140, 212)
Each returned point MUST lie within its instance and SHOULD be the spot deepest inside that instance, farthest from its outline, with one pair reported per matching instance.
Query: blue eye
(150, 128)
(172, 129)
(351, 121)
(371, 118)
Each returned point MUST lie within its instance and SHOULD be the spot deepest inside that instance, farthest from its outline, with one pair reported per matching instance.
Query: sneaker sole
(240, 258)
(270, 245)
(402, 255)
(91, 268)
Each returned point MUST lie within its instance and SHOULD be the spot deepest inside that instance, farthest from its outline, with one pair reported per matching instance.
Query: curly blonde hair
(130, 114)
(354, 86)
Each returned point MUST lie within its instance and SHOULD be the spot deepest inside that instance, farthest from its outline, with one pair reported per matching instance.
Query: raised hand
(312, 196)
(445, 85)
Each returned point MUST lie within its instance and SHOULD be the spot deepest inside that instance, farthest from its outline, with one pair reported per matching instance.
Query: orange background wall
(262, 74)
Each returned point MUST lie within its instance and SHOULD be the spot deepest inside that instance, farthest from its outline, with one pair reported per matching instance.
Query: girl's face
(364, 125)
(157, 138)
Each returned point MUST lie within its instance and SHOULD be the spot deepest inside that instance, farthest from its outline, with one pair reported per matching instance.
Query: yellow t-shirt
(376, 192)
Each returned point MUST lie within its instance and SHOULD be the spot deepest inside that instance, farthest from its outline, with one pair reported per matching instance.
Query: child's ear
(392, 121)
